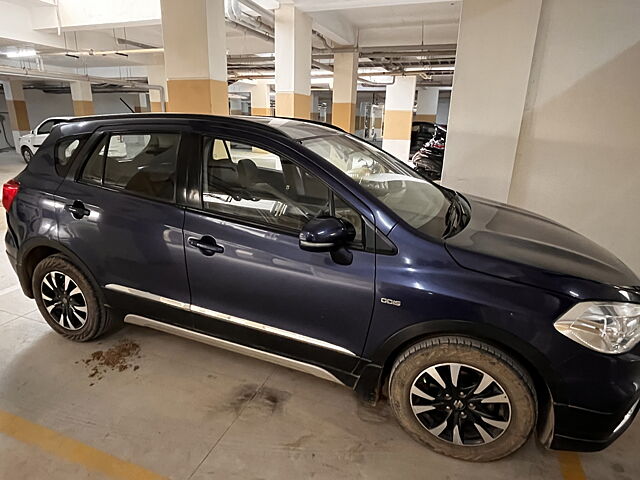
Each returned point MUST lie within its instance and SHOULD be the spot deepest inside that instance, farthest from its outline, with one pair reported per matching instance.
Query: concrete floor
(178, 409)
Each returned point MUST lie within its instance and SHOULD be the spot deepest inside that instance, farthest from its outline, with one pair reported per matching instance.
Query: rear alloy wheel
(68, 301)
(463, 398)
(64, 300)
(26, 154)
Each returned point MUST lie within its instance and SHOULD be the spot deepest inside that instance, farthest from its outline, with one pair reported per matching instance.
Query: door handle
(207, 245)
(77, 209)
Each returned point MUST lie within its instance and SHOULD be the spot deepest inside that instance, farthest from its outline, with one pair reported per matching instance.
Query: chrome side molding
(234, 347)
(231, 319)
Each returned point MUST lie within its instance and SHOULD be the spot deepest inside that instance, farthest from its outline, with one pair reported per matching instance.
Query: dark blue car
(300, 244)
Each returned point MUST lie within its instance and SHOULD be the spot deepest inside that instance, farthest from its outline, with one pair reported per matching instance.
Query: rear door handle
(77, 209)
(206, 244)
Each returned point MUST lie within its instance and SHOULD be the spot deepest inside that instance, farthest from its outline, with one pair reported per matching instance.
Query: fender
(28, 246)
(371, 374)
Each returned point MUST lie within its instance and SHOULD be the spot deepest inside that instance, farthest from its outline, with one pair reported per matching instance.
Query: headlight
(607, 327)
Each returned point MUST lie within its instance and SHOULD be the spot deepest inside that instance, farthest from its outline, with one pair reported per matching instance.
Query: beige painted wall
(578, 156)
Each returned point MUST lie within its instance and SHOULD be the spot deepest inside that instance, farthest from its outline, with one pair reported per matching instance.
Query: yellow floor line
(70, 449)
(570, 466)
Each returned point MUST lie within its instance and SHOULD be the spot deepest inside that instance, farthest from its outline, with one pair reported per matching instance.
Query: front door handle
(77, 209)
(207, 245)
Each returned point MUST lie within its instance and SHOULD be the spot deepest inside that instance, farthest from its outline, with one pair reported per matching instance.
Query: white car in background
(28, 144)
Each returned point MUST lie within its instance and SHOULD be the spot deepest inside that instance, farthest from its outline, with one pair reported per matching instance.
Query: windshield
(417, 201)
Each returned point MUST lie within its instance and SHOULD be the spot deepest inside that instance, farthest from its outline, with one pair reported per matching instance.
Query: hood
(519, 245)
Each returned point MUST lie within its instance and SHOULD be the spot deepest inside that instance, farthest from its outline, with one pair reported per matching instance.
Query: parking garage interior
(538, 100)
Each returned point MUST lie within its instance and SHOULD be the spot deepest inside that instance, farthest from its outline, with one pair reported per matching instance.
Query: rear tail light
(9, 192)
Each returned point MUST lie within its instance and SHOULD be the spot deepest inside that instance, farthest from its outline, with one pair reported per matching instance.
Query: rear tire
(27, 155)
(463, 398)
(68, 301)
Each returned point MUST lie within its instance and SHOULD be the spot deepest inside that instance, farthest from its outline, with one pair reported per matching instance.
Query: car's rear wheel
(27, 155)
(68, 301)
(463, 398)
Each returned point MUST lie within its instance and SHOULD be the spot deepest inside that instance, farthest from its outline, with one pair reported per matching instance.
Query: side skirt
(234, 347)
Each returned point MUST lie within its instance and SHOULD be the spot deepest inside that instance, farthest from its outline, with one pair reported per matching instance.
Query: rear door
(257, 286)
(120, 217)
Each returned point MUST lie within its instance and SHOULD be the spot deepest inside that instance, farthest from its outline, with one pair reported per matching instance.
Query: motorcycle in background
(428, 160)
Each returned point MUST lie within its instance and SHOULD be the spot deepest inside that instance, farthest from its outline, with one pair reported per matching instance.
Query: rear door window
(65, 151)
(143, 164)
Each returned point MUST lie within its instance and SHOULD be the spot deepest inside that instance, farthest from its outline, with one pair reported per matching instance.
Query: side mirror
(326, 234)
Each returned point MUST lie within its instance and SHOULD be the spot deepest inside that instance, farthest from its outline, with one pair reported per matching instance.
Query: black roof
(290, 127)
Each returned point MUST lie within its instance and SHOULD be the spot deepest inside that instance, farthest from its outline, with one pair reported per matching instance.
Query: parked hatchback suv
(300, 244)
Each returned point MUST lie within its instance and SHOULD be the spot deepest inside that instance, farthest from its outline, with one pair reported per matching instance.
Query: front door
(119, 216)
(250, 281)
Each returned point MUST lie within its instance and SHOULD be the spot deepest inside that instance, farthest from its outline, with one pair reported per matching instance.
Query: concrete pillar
(427, 105)
(194, 35)
(17, 107)
(82, 98)
(156, 76)
(235, 106)
(293, 62)
(345, 78)
(141, 103)
(398, 115)
(486, 110)
(261, 99)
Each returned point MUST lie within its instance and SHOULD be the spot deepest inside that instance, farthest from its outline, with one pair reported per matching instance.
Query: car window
(259, 186)
(64, 153)
(401, 189)
(46, 127)
(142, 164)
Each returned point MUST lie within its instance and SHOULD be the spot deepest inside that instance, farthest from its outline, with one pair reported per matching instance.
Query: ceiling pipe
(71, 77)
(263, 12)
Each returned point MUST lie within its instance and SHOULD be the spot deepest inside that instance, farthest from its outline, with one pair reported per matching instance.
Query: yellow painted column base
(198, 96)
(83, 107)
(397, 124)
(261, 111)
(344, 116)
(156, 106)
(424, 118)
(18, 116)
(295, 105)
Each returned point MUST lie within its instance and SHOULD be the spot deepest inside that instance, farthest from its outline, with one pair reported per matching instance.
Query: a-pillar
(82, 99)
(156, 77)
(261, 99)
(194, 35)
(398, 116)
(17, 107)
(293, 62)
(427, 105)
(345, 78)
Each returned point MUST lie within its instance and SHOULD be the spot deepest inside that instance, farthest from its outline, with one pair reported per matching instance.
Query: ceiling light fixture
(21, 53)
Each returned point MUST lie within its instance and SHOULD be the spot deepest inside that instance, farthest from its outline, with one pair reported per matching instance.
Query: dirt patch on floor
(118, 358)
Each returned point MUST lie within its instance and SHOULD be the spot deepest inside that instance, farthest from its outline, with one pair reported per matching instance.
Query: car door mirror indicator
(328, 234)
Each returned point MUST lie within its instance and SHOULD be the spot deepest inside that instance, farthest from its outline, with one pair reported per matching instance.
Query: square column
(17, 107)
(156, 76)
(345, 76)
(293, 62)
(82, 98)
(194, 34)
(398, 116)
(427, 105)
(141, 104)
(261, 99)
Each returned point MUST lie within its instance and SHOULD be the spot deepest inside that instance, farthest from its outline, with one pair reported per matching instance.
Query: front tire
(68, 301)
(27, 155)
(463, 398)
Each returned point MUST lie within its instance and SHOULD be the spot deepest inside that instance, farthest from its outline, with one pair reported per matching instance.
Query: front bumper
(585, 430)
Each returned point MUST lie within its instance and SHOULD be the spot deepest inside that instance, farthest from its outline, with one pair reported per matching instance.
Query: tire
(77, 313)
(423, 376)
(27, 155)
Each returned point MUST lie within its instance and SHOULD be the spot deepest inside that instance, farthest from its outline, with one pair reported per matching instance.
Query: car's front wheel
(27, 155)
(463, 398)
(68, 301)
